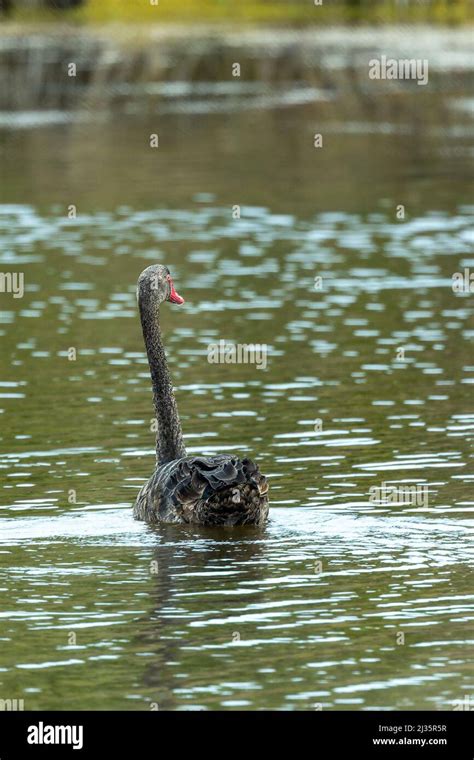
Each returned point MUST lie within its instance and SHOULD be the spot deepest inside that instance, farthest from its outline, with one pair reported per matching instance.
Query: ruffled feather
(216, 490)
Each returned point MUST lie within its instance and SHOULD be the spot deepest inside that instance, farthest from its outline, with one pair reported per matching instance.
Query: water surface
(340, 602)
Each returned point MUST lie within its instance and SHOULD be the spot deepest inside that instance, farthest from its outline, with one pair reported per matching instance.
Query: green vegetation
(295, 12)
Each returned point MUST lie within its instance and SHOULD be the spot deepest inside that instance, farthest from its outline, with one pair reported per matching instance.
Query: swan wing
(220, 489)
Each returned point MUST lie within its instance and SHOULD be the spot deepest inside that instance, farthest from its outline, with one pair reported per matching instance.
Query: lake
(341, 263)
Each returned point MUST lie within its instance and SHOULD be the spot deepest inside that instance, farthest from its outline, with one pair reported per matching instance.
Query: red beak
(174, 296)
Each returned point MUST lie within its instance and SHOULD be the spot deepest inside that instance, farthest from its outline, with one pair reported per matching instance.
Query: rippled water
(342, 601)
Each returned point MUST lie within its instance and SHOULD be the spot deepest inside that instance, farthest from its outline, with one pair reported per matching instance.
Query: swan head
(155, 285)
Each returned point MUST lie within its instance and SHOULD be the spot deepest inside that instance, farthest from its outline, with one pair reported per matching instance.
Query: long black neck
(169, 436)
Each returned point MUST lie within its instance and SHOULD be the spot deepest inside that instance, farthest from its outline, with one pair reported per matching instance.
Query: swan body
(216, 490)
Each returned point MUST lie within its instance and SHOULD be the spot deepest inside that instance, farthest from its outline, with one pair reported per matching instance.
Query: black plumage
(216, 490)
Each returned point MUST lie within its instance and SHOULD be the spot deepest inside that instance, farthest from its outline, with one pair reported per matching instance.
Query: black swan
(215, 490)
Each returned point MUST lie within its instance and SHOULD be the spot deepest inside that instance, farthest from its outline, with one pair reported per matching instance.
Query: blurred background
(129, 134)
(450, 11)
